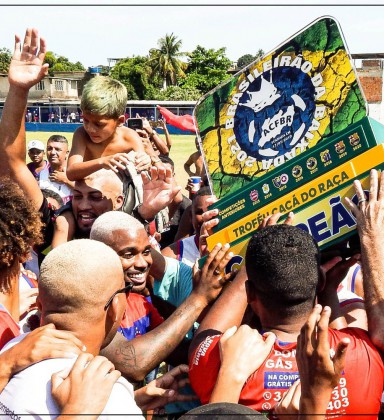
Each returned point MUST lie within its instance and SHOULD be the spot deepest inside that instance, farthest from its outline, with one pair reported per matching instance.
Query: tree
(135, 74)
(5, 59)
(177, 93)
(246, 59)
(61, 63)
(165, 60)
(206, 68)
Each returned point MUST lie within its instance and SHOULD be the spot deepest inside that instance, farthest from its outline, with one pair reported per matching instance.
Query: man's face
(36, 155)
(91, 198)
(100, 128)
(199, 206)
(134, 251)
(57, 153)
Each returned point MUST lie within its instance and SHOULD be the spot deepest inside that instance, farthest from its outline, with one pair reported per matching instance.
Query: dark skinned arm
(139, 356)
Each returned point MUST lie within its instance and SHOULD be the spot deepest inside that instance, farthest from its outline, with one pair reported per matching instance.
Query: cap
(36, 144)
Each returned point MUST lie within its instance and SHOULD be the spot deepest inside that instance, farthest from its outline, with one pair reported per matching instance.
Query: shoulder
(80, 136)
(204, 365)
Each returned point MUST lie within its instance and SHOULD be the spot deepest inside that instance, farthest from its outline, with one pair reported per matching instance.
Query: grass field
(182, 147)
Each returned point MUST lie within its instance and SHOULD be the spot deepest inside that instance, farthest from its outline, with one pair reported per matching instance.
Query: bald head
(111, 221)
(78, 278)
(107, 178)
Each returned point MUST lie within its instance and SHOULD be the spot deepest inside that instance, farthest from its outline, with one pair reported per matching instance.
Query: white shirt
(29, 392)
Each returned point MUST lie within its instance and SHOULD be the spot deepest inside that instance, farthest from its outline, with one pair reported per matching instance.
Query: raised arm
(369, 216)
(26, 69)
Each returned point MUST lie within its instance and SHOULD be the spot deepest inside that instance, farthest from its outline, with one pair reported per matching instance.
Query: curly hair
(20, 224)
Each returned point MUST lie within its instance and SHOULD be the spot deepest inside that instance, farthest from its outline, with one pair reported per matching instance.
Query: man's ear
(119, 202)
(322, 281)
(250, 290)
(121, 120)
(38, 303)
(113, 310)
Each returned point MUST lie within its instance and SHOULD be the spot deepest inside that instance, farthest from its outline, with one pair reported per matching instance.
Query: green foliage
(177, 93)
(165, 60)
(5, 59)
(61, 63)
(246, 59)
(135, 74)
(206, 68)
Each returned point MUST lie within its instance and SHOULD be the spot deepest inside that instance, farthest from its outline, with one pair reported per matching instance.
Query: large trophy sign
(279, 135)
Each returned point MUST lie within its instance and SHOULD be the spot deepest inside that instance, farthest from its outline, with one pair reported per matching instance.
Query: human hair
(78, 277)
(282, 262)
(20, 224)
(167, 159)
(203, 191)
(107, 175)
(57, 138)
(47, 193)
(107, 223)
(104, 96)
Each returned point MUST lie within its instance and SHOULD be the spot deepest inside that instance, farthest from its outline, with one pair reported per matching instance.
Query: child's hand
(115, 162)
(142, 161)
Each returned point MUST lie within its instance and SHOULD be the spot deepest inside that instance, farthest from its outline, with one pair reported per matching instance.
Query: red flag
(184, 122)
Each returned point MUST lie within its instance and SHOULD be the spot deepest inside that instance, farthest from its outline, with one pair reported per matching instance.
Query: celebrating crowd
(108, 308)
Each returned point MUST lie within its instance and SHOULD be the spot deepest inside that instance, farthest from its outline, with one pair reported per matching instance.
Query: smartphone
(135, 123)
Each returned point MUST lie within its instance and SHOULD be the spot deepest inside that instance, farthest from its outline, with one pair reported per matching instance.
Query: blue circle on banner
(275, 112)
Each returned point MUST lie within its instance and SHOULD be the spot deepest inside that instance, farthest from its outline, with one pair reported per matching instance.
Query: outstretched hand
(158, 191)
(210, 280)
(369, 213)
(27, 65)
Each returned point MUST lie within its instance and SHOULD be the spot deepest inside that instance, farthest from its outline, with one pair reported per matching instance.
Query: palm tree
(165, 61)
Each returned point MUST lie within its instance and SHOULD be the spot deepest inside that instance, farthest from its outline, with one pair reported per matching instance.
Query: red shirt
(359, 390)
(140, 316)
(8, 327)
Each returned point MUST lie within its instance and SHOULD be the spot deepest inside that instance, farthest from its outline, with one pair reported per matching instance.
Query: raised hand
(158, 191)
(319, 372)
(27, 65)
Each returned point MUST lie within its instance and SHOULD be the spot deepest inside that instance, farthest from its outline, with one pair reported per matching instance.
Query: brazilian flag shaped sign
(281, 105)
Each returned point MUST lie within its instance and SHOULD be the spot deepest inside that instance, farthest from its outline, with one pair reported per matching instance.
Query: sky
(92, 32)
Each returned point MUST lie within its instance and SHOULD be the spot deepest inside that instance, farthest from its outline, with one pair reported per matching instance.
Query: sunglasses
(125, 289)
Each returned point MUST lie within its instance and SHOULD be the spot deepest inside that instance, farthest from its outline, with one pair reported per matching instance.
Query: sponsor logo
(325, 156)
(297, 171)
(280, 180)
(265, 188)
(254, 195)
(340, 147)
(311, 163)
(354, 139)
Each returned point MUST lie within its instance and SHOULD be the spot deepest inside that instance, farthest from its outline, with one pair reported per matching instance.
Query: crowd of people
(108, 308)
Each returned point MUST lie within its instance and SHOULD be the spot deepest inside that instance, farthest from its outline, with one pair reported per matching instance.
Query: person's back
(282, 264)
(81, 289)
(103, 134)
(28, 392)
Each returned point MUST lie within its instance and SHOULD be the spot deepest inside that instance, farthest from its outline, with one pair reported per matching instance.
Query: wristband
(137, 215)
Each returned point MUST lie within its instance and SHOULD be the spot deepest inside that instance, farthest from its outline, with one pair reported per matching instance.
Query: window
(59, 85)
(40, 85)
(73, 84)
